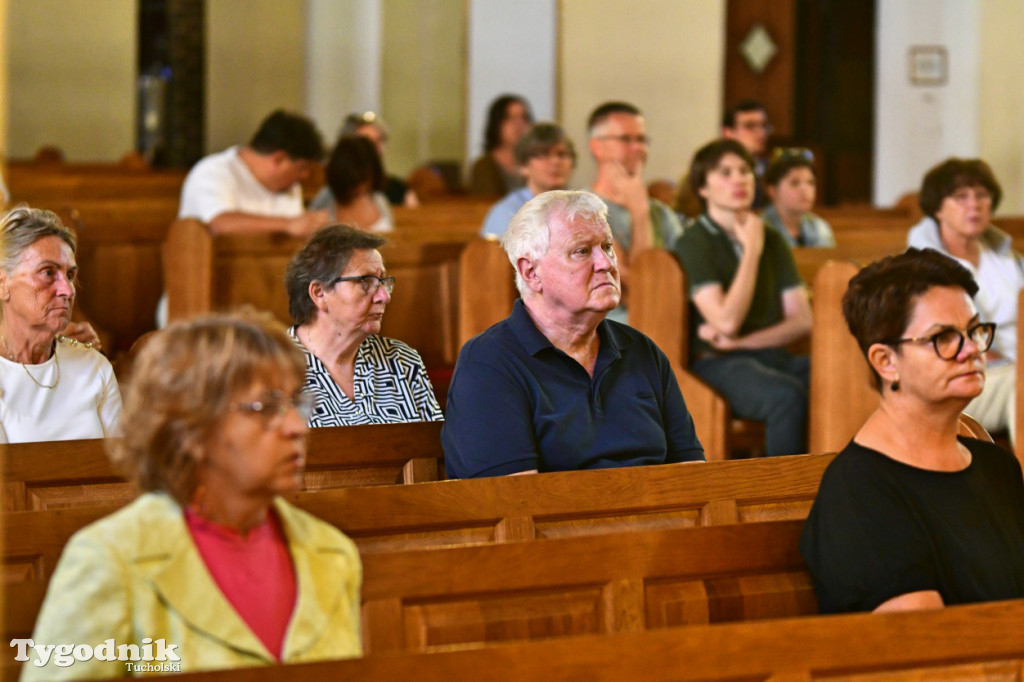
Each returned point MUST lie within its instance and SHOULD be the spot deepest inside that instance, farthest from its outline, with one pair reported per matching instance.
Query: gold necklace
(35, 381)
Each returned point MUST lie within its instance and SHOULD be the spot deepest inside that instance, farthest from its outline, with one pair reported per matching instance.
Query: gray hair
(322, 259)
(529, 231)
(21, 227)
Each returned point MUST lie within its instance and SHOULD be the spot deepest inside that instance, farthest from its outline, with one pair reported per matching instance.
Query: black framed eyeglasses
(370, 283)
(274, 405)
(949, 342)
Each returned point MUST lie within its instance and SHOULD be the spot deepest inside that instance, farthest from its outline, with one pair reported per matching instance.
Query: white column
(343, 63)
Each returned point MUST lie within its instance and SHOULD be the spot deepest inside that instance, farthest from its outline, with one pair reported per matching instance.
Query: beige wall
(254, 64)
(664, 56)
(1001, 97)
(3, 79)
(71, 67)
(423, 81)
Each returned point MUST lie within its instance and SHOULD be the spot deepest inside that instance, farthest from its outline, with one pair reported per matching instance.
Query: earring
(895, 386)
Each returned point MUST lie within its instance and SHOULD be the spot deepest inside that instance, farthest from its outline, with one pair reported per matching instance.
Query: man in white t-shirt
(255, 188)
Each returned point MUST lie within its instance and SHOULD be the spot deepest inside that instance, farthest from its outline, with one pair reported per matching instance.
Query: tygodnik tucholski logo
(137, 658)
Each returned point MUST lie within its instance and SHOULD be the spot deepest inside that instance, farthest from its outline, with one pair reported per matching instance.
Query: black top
(710, 256)
(880, 528)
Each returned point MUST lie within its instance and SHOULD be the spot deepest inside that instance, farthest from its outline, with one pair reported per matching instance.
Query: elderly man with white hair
(556, 386)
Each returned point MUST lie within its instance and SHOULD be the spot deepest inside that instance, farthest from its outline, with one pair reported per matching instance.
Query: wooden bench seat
(979, 642)
(76, 473)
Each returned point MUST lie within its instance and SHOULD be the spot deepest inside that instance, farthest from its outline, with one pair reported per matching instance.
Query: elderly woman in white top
(337, 292)
(52, 387)
(958, 197)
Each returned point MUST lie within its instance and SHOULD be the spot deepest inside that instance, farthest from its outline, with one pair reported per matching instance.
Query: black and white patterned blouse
(390, 386)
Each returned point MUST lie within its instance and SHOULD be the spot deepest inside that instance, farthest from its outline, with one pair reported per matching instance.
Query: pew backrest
(204, 272)
(979, 642)
(61, 474)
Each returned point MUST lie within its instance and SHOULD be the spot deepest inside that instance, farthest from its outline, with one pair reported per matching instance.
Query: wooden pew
(487, 291)
(839, 374)
(204, 273)
(482, 594)
(978, 642)
(75, 473)
(420, 600)
(37, 186)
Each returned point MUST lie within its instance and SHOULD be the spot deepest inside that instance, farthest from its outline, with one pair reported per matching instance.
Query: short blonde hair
(181, 385)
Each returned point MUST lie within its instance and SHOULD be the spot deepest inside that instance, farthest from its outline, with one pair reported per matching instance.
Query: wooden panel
(993, 671)
(487, 291)
(775, 86)
(656, 274)
(592, 525)
(503, 618)
(839, 373)
(679, 602)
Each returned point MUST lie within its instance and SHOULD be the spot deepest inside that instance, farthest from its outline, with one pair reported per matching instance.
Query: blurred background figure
(496, 173)
(958, 198)
(792, 188)
(372, 127)
(546, 158)
(355, 182)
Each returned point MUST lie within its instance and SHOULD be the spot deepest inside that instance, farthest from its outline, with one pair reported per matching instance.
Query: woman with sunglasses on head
(209, 559)
(337, 292)
(792, 188)
(958, 197)
(909, 515)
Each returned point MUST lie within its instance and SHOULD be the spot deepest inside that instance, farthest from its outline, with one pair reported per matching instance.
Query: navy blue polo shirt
(517, 403)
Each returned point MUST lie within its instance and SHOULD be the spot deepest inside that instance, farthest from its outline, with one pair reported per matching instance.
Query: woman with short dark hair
(909, 515)
(337, 292)
(958, 197)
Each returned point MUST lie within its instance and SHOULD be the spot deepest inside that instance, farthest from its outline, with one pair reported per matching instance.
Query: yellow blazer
(137, 574)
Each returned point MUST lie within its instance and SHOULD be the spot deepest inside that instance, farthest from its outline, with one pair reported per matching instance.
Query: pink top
(254, 573)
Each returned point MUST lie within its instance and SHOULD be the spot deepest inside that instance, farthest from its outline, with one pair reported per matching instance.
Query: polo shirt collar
(526, 332)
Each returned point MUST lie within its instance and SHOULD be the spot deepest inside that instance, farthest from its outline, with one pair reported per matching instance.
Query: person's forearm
(776, 336)
(246, 223)
(736, 301)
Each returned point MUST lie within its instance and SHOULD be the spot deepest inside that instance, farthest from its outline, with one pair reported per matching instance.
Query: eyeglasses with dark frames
(370, 283)
(949, 342)
(274, 405)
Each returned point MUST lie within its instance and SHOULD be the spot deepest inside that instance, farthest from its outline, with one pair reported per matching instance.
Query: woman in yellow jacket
(209, 568)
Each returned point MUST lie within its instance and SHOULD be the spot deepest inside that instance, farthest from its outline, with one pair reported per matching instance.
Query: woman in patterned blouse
(337, 292)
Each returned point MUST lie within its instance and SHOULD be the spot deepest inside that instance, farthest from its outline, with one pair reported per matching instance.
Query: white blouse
(85, 403)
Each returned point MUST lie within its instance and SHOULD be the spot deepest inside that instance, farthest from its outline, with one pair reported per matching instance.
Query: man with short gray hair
(556, 386)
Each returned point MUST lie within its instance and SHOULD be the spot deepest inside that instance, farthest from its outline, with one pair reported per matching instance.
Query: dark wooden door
(817, 86)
